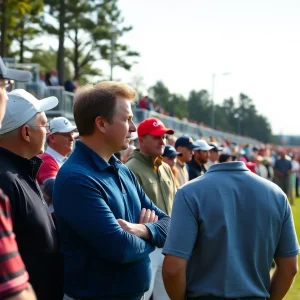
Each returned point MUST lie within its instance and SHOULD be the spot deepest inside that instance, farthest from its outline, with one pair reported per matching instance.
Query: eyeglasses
(65, 134)
(8, 84)
(47, 126)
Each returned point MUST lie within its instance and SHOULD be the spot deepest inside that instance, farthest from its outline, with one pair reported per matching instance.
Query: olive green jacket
(155, 177)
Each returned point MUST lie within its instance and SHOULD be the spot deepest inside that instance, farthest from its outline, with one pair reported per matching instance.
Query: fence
(65, 108)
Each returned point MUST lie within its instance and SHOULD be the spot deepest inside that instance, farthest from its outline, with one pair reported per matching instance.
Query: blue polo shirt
(229, 224)
(101, 259)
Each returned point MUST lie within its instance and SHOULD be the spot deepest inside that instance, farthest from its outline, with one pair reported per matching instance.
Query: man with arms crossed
(13, 276)
(107, 224)
(223, 238)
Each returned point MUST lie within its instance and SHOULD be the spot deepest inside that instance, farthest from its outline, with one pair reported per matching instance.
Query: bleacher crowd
(135, 213)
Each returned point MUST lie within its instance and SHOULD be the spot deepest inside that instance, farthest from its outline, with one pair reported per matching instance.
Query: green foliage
(47, 59)
(15, 18)
(88, 25)
(241, 118)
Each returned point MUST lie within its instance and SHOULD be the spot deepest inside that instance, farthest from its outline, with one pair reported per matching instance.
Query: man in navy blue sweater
(108, 226)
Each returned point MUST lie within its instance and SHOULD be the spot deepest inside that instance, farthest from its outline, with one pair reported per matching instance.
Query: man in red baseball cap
(153, 126)
(157, 180)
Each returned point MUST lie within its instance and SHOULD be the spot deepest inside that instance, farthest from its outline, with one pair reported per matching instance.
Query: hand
(139, 230)
(148, 216)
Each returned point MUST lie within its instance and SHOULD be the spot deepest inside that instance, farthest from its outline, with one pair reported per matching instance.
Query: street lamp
(113, 31)
(238, 116)
(212, 96)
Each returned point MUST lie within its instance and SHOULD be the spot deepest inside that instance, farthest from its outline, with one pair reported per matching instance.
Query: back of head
(91, 101)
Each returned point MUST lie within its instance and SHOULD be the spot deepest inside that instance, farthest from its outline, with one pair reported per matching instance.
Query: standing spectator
(293, 176)
(185, 145)
(298, 177)
(260, 168)
(170, 157)
(108, 226)
(70, 86)
(196, 166)
(13, 275)
(51, 78)
(282, 169)
(22, 137)
(60, 144)
(158, 182)
(214, 154)
(249, 219)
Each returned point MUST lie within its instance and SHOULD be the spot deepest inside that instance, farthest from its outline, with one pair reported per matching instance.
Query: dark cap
(13, 74)
(215, 147)
(185, 141)
(171, 152)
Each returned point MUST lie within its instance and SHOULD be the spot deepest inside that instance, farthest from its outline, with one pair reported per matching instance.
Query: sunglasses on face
(8, 84)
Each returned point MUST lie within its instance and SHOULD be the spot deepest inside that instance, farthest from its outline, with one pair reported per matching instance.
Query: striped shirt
(13, 276)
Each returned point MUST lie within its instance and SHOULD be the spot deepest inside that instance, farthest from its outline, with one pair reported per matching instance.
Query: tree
(199, 106)
(87, 24)
(28, 28)
(108, 32)
(46, 59)
(160, 93)
(11, 12)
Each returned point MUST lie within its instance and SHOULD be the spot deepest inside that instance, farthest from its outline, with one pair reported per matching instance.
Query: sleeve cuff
(152, 230)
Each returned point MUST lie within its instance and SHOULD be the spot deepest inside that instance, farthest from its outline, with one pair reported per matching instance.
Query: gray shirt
(229, 224)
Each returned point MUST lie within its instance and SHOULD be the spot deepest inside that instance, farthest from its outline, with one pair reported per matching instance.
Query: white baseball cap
(61, 125)
(21, 107)
(202, 145)
(133, 136)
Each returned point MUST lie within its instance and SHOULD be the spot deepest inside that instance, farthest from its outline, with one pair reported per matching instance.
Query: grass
(294, 292)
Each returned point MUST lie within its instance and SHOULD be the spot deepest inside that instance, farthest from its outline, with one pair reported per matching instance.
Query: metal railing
(65, 108)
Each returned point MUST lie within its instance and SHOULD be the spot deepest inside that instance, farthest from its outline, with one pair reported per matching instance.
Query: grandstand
(65, 108)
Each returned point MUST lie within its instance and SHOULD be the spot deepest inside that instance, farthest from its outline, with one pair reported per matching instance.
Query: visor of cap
(17, 75)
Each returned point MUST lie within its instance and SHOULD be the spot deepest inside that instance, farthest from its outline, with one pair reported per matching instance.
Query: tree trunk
(61, 48)
(3, 47)
(76, 56)
(22, 43)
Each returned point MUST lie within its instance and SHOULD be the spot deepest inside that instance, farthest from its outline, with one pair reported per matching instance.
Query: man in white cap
(13, 275)
(22, 137)
(60, 142)
(197, 165)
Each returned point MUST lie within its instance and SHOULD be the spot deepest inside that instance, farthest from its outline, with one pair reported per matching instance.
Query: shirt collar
(30, 165)
(57, 156)
(229, 166)
(96, 159)
(180, 163)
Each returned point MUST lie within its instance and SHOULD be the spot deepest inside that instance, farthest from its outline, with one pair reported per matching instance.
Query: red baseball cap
(154, 127)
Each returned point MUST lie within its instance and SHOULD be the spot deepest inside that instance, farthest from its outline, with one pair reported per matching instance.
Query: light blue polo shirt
(229, 224)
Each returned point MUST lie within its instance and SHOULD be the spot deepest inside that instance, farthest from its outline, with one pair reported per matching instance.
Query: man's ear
(25, 133)
(101, 124)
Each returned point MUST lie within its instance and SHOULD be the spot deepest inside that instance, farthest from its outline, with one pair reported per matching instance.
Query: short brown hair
(91, 101)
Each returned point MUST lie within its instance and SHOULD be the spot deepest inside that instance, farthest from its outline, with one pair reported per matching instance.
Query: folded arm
(86, 212)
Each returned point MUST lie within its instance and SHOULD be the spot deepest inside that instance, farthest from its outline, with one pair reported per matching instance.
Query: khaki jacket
(155, 177)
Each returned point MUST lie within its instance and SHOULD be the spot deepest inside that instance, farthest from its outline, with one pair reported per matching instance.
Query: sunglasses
(8, 84)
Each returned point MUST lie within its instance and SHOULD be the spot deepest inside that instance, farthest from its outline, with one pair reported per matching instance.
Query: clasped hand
(140, 230)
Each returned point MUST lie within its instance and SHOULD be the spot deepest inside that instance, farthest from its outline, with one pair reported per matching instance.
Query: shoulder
(136, 165)
(166, 168)
(47, 158)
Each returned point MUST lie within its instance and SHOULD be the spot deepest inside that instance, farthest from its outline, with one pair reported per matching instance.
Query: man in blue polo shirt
(108, 226)
(226, 228)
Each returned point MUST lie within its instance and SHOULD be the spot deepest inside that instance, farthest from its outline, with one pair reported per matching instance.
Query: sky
(183, 43)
